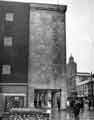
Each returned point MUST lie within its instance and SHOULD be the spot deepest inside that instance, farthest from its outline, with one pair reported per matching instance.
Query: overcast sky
(79, 31)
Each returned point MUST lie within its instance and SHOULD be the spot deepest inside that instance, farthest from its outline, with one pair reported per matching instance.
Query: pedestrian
(1, 118)
(68, 105)
(71, 108)
(82, 104)
(58, 103)
(71, 104)
(89, 104)
(93, 104)
(76, 110)
(35, 102)
(39, 103)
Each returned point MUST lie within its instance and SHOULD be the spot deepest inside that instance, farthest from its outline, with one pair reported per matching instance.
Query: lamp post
(91, 86)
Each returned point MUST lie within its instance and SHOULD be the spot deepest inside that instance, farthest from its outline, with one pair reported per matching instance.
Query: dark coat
(76, 109)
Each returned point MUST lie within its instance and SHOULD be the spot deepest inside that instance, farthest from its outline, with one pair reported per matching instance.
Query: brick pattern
(47, 53)
(17, 54)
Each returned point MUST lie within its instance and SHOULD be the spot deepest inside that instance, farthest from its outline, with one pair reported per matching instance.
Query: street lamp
(91, 85)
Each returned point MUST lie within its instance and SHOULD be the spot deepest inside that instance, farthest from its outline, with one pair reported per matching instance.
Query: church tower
(71, 72)
(71, 66)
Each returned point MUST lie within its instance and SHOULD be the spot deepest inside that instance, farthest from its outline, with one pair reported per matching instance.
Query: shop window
(13, 102)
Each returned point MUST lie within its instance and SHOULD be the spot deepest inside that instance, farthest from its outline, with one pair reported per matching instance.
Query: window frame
(8, 41)
(9, 16)
(6, 70)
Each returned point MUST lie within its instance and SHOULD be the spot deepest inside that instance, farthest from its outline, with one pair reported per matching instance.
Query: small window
(6, 69)
(8, 41)
(9, 17)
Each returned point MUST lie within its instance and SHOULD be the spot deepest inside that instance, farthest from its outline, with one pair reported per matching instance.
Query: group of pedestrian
(75, 106)
(38, 101)
(90, 104)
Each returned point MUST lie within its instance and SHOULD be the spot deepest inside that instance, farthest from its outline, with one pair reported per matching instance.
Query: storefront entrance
(47, 98)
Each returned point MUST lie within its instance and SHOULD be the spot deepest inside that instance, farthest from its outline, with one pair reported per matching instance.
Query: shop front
(14, 101)
(47, 98)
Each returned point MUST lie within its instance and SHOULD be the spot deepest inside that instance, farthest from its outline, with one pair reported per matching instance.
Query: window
(13, 102)
(6, 69)
(9, 17)
(8, 41)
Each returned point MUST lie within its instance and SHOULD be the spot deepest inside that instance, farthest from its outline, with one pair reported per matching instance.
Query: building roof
(83, 74)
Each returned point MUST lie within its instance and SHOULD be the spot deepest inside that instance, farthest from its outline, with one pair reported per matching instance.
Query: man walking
(76, 109)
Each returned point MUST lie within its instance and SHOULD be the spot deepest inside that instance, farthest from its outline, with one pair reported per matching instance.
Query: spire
(71, 58)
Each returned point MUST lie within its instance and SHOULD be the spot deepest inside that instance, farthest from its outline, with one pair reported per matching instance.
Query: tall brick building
(32, 53)
(14, 29)
(47, 52)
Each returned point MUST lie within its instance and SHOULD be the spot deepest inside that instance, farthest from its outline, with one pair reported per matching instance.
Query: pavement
(63, 115)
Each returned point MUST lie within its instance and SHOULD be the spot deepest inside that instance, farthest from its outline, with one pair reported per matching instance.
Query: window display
(13, 102)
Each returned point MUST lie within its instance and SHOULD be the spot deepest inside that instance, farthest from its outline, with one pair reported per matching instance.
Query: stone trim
(49, 7)
(13, 94)
(14, 84)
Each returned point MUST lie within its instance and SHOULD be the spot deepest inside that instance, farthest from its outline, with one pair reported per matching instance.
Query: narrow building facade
(14, 29)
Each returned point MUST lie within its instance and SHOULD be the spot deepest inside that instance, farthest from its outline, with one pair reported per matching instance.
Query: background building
(85, 85)
(71, 72)
(14, 29)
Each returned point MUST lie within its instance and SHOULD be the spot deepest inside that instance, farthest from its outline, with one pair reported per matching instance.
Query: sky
(79, 31)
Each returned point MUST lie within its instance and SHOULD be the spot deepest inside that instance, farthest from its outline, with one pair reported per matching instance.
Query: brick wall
(47, 46)
(17, 54)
